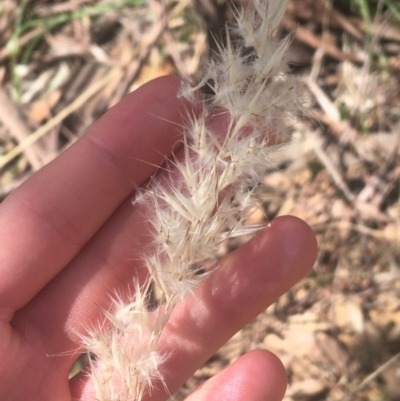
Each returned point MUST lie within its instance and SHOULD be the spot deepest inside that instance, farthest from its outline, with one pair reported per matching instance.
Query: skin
(70, 235)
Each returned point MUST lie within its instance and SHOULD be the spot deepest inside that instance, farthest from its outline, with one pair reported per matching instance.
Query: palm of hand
(71, 236)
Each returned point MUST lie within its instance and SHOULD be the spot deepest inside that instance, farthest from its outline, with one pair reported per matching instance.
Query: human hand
(70, 237)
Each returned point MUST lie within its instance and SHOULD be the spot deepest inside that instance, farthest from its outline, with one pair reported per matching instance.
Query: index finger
(48, 219)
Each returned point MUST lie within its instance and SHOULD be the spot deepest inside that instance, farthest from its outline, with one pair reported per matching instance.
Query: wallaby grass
(340, 173)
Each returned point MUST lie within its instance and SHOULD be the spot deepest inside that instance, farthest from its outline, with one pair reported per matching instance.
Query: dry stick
(199, 50)
(306, 36)
(329, 108)
(82, 80)
(11, 119)
(332, 170)
(323, 100)
(342, 129)
(143, 52)
(58, 118)
(346, 24)
(173, 50)
(331, 114)
(373, 376)
(186, 69)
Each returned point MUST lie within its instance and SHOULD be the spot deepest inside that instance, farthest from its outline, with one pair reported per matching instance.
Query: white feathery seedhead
(194, 214)
(126, 348)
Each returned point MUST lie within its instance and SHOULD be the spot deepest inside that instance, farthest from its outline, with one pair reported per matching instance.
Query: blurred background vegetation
(64, 63)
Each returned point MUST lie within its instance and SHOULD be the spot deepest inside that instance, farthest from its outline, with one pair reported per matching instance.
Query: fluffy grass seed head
(194, 213)
(126, 353)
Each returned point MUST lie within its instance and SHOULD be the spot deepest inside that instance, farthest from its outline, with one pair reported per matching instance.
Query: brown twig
(332, 170)
(58, 118)
(11, 118)
(306, 36)
(373, 376)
